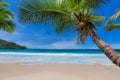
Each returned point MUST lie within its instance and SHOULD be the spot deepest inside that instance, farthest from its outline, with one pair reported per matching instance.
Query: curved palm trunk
(108, 51)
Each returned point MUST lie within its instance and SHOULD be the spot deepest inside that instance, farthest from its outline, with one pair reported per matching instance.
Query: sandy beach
(20, 71)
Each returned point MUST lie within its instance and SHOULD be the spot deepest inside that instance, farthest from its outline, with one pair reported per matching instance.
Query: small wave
(51, 54)
(51, 58)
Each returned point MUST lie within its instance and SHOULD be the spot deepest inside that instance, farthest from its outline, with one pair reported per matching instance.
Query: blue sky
(44, 37)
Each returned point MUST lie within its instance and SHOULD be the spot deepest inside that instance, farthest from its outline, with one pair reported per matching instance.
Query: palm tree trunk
(108, 51)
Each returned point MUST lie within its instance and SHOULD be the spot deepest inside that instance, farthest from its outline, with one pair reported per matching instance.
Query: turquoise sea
(36, 56)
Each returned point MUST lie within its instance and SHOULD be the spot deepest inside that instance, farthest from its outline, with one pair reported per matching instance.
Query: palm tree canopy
(110, 24)
(62, 14)
(6, 18)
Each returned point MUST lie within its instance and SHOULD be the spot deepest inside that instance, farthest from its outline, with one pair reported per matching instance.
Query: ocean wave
(53, 58)
(52, 54)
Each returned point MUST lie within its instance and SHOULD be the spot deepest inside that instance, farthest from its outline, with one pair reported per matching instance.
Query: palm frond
(98, 3)
(36, 11)
(61, 14)
(109, 24)
(114, 17)
(5, 14)
(97, 23)
(96, 20)
(3, 4)
(90, 3)
(81, 38)
(65, 25)
(118, 9)
(111, 27)
(7, 26)
(6, 18)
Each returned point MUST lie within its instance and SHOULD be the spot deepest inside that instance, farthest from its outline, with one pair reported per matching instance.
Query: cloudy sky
(44, 37)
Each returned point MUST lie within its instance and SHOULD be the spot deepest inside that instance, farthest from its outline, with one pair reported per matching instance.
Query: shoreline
(55, 58)
(21, 71)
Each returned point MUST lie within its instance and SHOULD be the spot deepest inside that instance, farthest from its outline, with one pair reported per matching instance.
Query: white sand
(18, 71)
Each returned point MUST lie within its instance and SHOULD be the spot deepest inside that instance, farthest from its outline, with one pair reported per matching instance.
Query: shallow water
(54, 56)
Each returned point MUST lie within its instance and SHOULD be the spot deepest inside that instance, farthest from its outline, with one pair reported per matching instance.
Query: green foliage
(110, 25)
(36, 11)
(96, 20)
(118, 9)
(9, 45)
(6, 18)
(66, 24)
(3, 4)
(98, 3)
(60, 13)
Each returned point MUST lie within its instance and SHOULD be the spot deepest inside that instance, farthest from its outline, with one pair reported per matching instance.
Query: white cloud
(65, 45)
(54, 45)
(46, 42)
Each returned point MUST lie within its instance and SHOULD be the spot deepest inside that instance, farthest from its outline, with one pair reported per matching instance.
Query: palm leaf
(6, 18)
(114, 17)
(98, 3)
(3, 4)
(112, 27)
(7, 26)
(65, 25)
(109, 24)
(96, 20)
(36, 11)
(5, 14)
(60, 13)
(118, 9)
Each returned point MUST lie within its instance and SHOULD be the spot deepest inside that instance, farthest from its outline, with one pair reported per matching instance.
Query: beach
(56, 65)
(22, 71)
(59, 40)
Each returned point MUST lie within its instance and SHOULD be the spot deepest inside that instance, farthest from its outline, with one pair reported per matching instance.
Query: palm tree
(6, 18)
(110, 25)
(68, 15)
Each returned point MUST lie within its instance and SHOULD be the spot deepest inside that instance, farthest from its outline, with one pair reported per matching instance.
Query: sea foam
(53, 58)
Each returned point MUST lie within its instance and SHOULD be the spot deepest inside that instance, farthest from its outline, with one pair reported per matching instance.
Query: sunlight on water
(53, 57)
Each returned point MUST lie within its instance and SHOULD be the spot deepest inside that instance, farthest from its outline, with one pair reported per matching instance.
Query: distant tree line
(10, 45)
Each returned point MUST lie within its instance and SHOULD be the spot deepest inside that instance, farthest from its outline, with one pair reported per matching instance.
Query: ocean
(36, 56)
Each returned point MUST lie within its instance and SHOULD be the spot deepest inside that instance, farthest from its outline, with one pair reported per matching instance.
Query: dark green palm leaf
(7, 26)
(5, 14)
(66, 24)
(3, 4)
(6, 18)
(98, 3)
